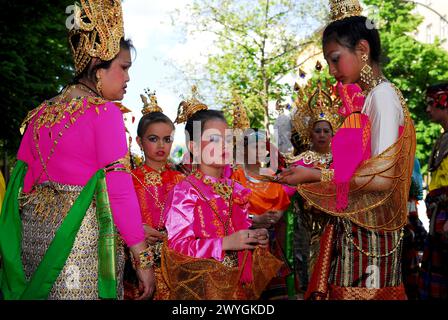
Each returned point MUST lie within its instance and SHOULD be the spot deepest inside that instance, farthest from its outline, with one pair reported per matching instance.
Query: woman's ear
(99, 74)
(363, 48)
(139, 142)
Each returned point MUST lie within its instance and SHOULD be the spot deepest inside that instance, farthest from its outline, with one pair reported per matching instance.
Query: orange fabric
(151, 212)
(265, 196)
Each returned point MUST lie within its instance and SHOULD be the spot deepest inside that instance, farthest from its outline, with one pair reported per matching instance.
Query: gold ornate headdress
(240, 118)
(313, 105)
(151, 106)
(341, 9)
(97, 31)
(188, 107)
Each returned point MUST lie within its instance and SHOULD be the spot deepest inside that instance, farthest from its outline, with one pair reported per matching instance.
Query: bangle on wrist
(145, 259)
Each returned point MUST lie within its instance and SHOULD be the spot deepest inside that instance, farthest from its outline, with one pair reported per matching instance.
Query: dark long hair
(203, 116)
(151, 118)
(349, 31)
(437, 87)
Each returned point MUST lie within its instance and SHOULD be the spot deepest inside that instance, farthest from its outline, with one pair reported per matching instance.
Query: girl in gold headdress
(315, 119)
(211, 253)
(153, 180)
(360, 254)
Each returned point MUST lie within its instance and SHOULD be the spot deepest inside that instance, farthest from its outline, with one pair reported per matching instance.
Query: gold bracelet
(327, 175)
(145, 259)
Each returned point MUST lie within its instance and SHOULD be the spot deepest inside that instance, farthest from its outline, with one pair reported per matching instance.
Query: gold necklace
(87, 88)
(153, 178)
(154, 196)
(226, 223)
(310, 157)
(372, 84)
(221, 189)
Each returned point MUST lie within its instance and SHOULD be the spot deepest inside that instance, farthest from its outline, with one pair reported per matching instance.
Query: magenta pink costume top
(96, 139)
(197, 219)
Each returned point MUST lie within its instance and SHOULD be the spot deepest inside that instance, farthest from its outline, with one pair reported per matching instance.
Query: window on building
(429, 33)
(443, 28)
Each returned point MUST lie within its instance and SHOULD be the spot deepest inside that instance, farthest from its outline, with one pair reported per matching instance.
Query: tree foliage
(256, 46)
(34, 61)
(411, 65)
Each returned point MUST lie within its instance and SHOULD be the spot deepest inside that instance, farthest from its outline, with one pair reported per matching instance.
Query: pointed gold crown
(313, 105)
(151, 106)
(240, 118)
(188, 107)
(97, 31)
(341, 9)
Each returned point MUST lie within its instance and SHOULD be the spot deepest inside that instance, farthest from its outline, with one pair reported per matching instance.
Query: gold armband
(145, 259)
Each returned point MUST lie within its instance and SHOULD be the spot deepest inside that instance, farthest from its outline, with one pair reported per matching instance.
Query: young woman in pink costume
(210, 254)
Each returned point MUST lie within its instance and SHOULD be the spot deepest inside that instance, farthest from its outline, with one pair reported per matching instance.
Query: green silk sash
(290, 222)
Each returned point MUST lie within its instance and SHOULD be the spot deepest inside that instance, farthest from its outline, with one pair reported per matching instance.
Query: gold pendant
(153, 179)
(223, 190)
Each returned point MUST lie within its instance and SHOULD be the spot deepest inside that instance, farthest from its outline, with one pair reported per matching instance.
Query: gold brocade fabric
(78, 279)
(208, 279)
(379, 189)
(353, 293)
(318, 286)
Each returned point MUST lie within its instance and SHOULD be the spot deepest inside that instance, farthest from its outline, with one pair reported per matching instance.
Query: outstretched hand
(298, 175)
(246, 239)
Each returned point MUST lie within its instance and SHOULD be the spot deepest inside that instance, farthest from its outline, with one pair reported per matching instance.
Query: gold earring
(366, 75)
(99, 86)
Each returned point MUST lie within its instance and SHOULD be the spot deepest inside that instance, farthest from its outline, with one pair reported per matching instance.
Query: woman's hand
(275, 216)
(152, 235)
(146, 283)
(264, 220)
(245, 239)
(263, 238)
(299, 175)
(146, 278)
(267, 219)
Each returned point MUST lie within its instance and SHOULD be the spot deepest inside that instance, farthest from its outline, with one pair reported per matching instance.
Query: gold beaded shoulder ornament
(188, 107)
(97, 31)
(312, 105)
(152, 105)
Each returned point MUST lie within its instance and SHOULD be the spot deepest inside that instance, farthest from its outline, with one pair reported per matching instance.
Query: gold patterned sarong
(78, 279)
